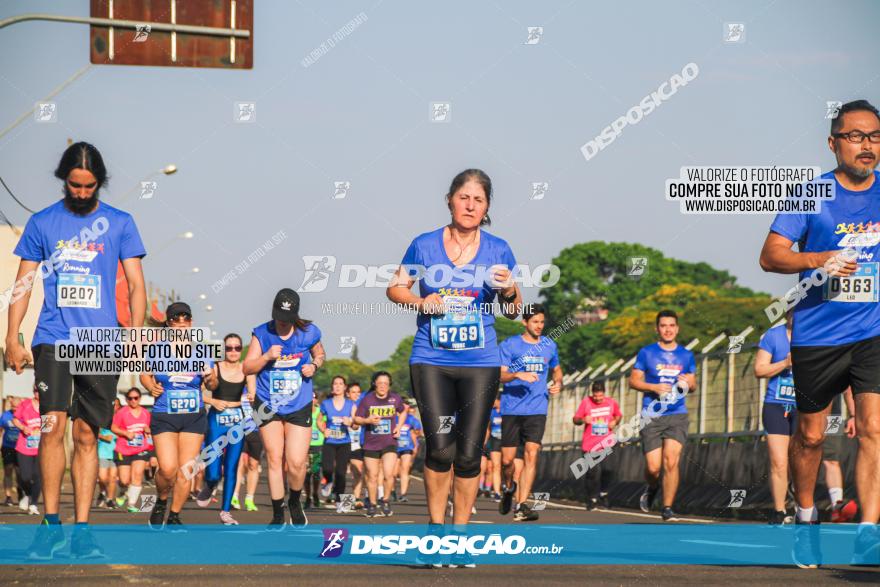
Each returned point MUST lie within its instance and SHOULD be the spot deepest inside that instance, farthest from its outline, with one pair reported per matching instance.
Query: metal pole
(730, 391)
(704, 383)
(130, 24)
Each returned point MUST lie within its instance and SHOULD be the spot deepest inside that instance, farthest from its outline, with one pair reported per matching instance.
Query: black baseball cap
(285, 308)
(177, 308)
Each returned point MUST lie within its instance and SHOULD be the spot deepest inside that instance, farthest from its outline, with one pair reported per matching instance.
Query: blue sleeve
(314, 335)
(554, 358)
(416, 424)
(29, 247)
(791, 226)
(508, 258)
(131, 245)
(691, 366)
(412, 256)
(506, 358)
(766, 342)
(641, 361)
(324, 409)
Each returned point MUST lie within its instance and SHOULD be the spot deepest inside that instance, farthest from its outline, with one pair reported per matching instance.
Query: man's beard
(857, 172)
(79, 206)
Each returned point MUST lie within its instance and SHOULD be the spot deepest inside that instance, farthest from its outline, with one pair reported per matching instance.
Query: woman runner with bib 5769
(455, 362)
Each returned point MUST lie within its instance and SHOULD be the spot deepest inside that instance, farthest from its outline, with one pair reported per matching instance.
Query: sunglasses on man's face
(132, 398)
(78, 186)
(231, 349)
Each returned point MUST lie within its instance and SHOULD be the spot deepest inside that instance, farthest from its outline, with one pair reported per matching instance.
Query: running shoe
(806, 552)
(393, 495)
(386, 508)
(83, 545)
(403, 499)
(157, 516)
(316, 503)
(843, 512)
(604, 500)
(592, 504)
(647, 498)
(174, 524)
(235, 503)
(23, 503)
(298, 517)
(99, 499)
(132, 509)
(326, 489)
(227, 519)
(308, 504)
(276, 524)
(120, 501)
(33, 511)
(867, 547)
(461, 561)
(203, 499)
(496, 497)
(525, 514)
(9, 502)
(110, 504)
(48, 540)
(668, 515)
(370, 510)
(778, 519)
(506, 500)
(250, 506)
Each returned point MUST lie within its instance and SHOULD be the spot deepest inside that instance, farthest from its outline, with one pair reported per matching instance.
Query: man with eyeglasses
(76, 245)
(835, 339)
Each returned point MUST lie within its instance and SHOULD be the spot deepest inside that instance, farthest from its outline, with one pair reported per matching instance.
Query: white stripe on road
(733, 544)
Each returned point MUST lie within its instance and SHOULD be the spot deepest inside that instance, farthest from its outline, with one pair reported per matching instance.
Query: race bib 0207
(861, 286)
(78, 291)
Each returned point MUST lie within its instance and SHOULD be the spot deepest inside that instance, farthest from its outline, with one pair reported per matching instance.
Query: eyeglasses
(183, 317)
(236, 349)
(132, 398)
(77, 186)
(857, 136)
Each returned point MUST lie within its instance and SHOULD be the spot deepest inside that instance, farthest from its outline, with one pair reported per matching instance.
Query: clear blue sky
(360, 114)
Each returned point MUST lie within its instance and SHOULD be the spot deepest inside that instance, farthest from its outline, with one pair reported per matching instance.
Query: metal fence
(727, 399)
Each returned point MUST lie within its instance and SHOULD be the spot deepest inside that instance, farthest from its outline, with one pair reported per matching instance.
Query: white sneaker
(326, 490)
(23, 504)
(32, 510)
(227, 519)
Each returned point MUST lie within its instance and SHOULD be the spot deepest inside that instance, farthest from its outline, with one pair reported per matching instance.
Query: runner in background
(27, 420)
(493, 447)
(836, 438)
(337, 412)
(382, 413)
(249, 465)
(131, 424)
(600, 415)
(779, 414)
(316, 447)
(356, 463)
(407, 446)
(178, 424)
(527, 362)
(660, 369)
(107, 474)
(284, 354)
(11, 477)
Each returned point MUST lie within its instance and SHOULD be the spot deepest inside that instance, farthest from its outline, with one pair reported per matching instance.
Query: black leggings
(467, 393)
(339, 454)
(29, 473)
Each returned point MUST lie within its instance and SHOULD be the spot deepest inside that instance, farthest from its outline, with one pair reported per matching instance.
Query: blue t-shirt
(519, 398)
(80, 255)
(182, 395)
(495, 424)
(281, 383)
(10, 431)
(780, 388)
(404, 441)
(336, 432)
(105, 449)
(464, 336)
(662, 366)
(842, 310)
